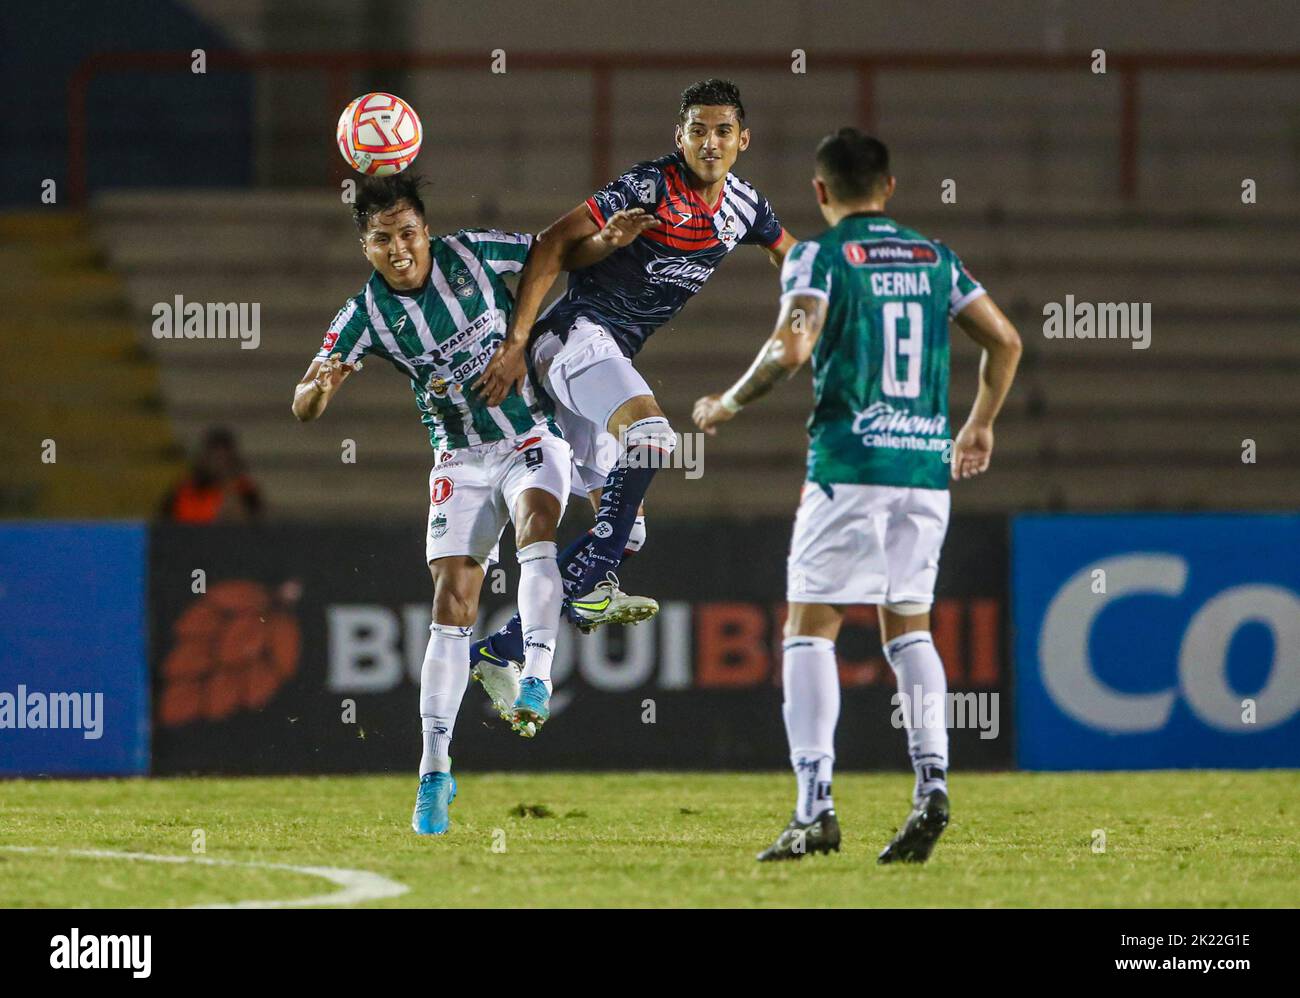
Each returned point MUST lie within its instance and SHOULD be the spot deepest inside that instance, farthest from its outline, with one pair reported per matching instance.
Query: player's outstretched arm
(985, 323)
(786, 350)
(619, 230)
(318, 386)
(550, 250)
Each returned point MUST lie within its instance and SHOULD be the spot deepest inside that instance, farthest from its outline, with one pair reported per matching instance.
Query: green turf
(1199, 839)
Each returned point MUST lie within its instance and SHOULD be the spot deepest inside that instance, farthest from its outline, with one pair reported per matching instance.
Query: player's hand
(709, 412)
(331, 373)
(504, 372)
(622, 227)
(971, 451)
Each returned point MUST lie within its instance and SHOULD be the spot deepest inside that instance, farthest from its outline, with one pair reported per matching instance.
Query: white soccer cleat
(500, 681)
(607, 604)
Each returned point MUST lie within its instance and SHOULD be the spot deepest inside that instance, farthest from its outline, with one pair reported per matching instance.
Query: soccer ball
(379, 134)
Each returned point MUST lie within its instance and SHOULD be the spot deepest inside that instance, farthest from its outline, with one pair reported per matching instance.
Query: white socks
(919, 669)
(445, 672)
(812, 706)
(443, 679)
(541, 593)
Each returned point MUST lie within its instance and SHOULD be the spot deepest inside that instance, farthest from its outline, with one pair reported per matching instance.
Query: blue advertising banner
(1158, 641)
(74, 689)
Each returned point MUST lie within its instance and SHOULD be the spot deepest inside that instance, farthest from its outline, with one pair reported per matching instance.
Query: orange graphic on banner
(234, 647)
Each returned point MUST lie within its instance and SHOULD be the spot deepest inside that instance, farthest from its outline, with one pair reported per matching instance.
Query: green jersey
(880, 368)
(443, 335)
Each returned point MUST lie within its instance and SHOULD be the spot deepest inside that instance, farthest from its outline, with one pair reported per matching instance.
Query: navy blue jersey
(638, 288)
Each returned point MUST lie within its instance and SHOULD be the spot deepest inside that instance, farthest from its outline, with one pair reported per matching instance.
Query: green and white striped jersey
(443, 335)
(880, 367)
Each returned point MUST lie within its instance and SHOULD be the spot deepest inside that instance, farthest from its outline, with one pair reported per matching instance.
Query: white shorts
(473, 490)
(868, 544)
(588, 378)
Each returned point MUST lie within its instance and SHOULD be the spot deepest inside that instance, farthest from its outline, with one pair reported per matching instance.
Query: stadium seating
(76, 375)
(1091, 424)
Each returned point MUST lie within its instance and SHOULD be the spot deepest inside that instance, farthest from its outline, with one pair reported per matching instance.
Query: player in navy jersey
(636, 250)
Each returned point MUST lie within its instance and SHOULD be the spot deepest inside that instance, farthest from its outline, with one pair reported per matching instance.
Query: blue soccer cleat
(532, 706)
(437, 791)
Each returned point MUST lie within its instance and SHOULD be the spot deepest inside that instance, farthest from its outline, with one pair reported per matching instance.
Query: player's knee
(537, 516)
(812, 620)
(636, 539)
(653, 432)
(633, 411)
(455, 597)
(908, 609)
(535, 526)
(897, 619)
(454, 609)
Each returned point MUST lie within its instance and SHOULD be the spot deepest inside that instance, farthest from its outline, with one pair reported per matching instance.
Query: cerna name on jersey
(900, 283)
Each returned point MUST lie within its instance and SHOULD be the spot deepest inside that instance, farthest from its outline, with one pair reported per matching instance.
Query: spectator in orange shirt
(216, 488)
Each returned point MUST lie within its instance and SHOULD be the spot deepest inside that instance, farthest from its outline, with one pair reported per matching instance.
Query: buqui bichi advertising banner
(269, 658)
(1157, 641)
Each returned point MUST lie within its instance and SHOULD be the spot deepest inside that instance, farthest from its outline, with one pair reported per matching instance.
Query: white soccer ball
(379, 134)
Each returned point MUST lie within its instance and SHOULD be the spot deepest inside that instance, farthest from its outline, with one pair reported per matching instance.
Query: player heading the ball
(435, 308)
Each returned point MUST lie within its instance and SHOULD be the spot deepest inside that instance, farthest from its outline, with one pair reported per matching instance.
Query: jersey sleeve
(503, 252)
(767, 229)
(965, 289)
(806, 271)
(349, 334)
(641, 187)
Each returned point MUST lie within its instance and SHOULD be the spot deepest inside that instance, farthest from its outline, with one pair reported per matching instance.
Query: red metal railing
(337, 67)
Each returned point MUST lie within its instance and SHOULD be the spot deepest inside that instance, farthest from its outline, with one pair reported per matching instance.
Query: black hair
(711, 93)
(376, 195)
(853, 166)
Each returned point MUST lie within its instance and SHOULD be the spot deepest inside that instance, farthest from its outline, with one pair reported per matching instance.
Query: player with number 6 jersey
(868, 301)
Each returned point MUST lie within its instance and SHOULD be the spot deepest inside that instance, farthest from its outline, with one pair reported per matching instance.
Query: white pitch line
(356, 885)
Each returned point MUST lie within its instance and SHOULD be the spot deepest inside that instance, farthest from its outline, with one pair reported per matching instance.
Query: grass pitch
(1187, 839)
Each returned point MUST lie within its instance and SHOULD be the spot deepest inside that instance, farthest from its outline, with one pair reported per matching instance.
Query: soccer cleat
(916, 839)
(499, 678)
(437, 791)
(607, 604)
(532, 708)
(822, 834)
